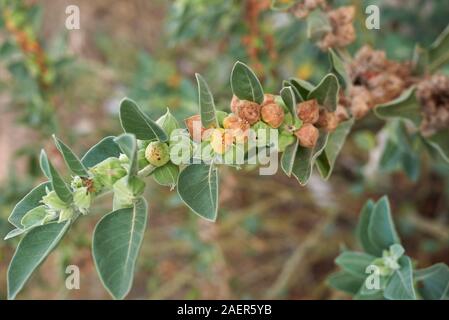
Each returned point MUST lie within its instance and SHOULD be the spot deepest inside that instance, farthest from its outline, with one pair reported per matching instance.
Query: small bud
(238, 127)
(246, 110)
(308, 111)
(168, 122)
(307, 135)
(272, 114)
(327, 120)
(65, 214)
(52, 201)
(108, 172)
(157, 153)
(82, 199)
(193, 124)
(221, 140)
(126, 192)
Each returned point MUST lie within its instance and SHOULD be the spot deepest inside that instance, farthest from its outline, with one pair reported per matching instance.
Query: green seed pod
(108, 172)
(157, 153)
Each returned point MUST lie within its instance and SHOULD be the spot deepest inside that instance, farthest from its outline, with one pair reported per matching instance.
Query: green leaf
(288, 158)
(58, 185)
(400, 286)
(362, 229)
(355, 262)
(245, 84)
(71, 160)
(206, 103)
(326, 92)
(302, 86)
(103, 150)
(168, 122)
(35, 216)
(406, 106)
(318, 25)
(440, 143)
(338, 68)
(134, 121)
(288, 96)
(115, 246)
(128, 144)
(439, 51)
(198, 188)
(14, 233)
(345, 282)
(325, 162)
(43, 162)
(305, 159)
(381, 230)
(167, 175)
(30, 201)
(434, 282)
(32, 250)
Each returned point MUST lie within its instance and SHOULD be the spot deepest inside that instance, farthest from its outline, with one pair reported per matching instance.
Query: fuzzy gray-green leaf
(58, 185)
(400, 286)
(134, 121)
(128, 144)
(206, 103)
(103, 150)
(198, 188)
(325, 162)
(326, 92)
(71, 160)
(406, 106)
(30, 201)
(116, 243)
(32, 250)
(244, 83)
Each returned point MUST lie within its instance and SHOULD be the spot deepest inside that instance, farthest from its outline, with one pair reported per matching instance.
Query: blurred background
(273, 238)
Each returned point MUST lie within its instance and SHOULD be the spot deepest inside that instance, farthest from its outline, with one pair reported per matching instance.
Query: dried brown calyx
(246, 110)
(238, 127)
(385, 79)
(303, 8)
(307, 135)
(195, 128)
(343, 31)
(327, 120)
(433, 94)
(272, 113)
(308, 111)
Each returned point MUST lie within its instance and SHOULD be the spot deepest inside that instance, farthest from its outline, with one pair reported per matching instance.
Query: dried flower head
(239, 128)
(433, 94)
(272, 114)
(195, 128)
(307, 135)
(221, 140)
(308, 111)
(246, 110)
(327, 120)
(343, 31)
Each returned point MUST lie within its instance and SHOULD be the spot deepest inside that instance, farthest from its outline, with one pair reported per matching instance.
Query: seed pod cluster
(375, 80)
(433, 94)
(343, 31)
(314, 116)
(303, 8)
